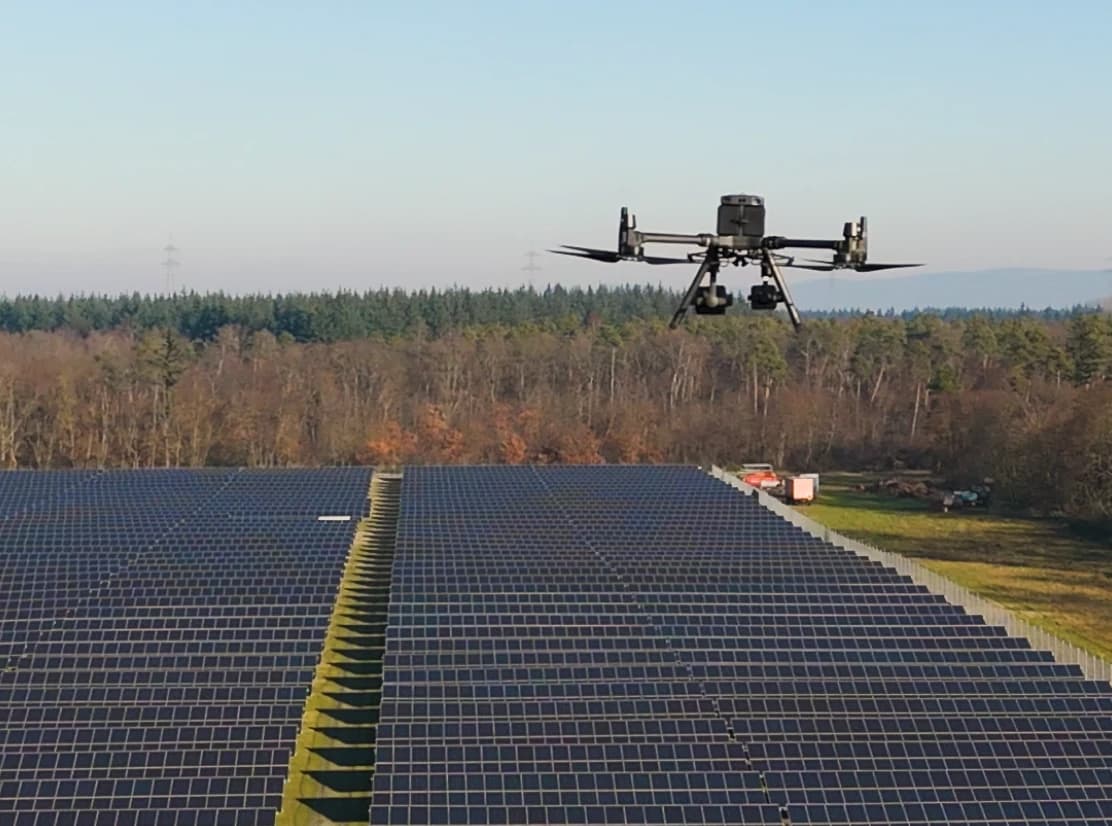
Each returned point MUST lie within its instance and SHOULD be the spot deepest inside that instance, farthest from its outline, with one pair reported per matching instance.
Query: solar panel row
(565, 645)
(646, 645)
(158, 631)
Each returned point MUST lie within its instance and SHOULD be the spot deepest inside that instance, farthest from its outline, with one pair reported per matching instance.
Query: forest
(348, 315)
(561, 376)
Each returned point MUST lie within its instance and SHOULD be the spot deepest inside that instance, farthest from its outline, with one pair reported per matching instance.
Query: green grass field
(1037, 567)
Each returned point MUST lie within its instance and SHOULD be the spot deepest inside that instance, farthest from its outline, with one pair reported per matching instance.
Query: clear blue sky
(311, 145)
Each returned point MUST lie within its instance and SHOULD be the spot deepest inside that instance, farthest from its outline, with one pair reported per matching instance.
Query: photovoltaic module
(562, 645)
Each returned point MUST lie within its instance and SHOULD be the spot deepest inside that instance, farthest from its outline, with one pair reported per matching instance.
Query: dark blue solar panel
(159, 631)
(627, 645)
(565, 645)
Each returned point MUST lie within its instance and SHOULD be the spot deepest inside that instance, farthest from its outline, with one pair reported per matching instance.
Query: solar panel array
(629, 645)
(158, 632)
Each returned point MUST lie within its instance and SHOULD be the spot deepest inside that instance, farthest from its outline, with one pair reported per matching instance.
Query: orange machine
(759, 476)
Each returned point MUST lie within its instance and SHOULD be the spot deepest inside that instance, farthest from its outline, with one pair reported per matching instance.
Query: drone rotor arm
(774, 242)
(673, 238)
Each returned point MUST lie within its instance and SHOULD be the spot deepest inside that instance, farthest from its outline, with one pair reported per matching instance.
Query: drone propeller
(816, 267)
(827, 266)
(875, 267)
(610, 257)
(586, 252)
(656, 259)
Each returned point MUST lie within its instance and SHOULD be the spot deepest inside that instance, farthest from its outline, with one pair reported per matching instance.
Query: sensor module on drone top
(742, 216)
(740, 240)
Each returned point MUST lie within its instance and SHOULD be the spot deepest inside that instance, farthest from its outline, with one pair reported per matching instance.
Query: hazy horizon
(429, 144)
(899, 291)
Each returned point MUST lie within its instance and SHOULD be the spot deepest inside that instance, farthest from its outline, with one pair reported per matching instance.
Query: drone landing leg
(710, 264)
(770, 270)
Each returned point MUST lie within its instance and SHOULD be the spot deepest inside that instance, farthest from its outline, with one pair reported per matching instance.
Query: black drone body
(740, 240)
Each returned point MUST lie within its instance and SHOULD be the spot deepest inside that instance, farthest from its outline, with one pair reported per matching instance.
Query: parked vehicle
(759, 476)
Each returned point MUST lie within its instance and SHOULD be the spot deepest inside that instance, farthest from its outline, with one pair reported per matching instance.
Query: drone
(739, 241)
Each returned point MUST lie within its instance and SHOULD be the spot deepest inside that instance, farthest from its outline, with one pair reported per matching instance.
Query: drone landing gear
(713, 299)
(707, 299)
(773, 290)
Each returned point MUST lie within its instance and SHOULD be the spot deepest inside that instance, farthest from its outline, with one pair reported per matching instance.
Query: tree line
(347, 315)
(1022, 399)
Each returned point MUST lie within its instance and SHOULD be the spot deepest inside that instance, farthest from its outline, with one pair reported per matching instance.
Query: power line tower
(170, 265)
(532, 267)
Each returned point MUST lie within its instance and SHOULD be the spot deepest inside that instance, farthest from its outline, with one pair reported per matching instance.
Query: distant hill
(1004, 288)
